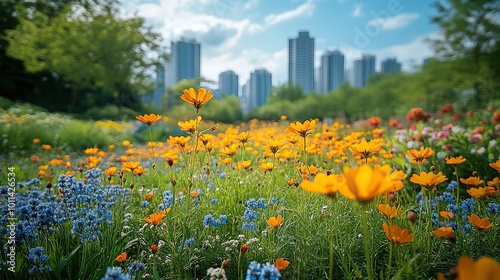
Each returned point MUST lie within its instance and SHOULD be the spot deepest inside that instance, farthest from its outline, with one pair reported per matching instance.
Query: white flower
(457, 129)
(481, 150)
(441, 155)
(410, 144)
(492, 143)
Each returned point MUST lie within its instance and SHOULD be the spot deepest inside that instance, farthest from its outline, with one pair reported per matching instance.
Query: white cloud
(357, 12)
(306, 9)
(395, 22)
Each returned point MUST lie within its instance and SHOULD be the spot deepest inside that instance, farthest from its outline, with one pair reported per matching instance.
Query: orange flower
(428, 179)
(484, 268)
(479, 223)
(149, 119)
(324, 184)
(46, 147)
(197, 99)
(281, 264)
(302, 129)
(455, 160)
(36, 140)
(275, 221)
(139, 170)
(495, 165)
(179, 140)
(397, 235)
(364, 183)
(274, 146)
(149, 196)
(477, 192)
(195, 194)
(446, 214)
(157, 217)
(91, 151)
(374, 121)
(110, 171)
(154, 248)
(421, 155)
(387, 210)
(243, 249)
(442, 232)
(472, 181)
(366, 149)
(122, 257)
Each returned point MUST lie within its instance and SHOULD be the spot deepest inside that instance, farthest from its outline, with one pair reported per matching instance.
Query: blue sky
(242, 35)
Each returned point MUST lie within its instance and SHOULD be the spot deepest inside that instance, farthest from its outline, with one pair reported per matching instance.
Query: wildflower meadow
(414, 197)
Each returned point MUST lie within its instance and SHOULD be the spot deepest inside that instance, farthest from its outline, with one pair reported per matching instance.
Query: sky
(244, 35)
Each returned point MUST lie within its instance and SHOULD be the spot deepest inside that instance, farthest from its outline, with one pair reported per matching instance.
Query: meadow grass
(85, 214)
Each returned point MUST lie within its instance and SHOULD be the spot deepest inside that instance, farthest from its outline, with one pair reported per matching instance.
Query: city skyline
(245, 35)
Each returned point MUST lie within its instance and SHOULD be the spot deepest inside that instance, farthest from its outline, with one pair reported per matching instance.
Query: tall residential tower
(228, 83)
(363, 69)
(301, 61)
(331, 71)
(184, 61)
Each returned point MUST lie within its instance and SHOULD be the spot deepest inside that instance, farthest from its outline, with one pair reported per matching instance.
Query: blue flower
(167, 198)
(493, 208)
(249, 215)
(145, 204)
(467, 206)
(136, 267)
(257, 271)
(213, 200)
(38, 259)
(249, 226)
(115, 273)
(189, 242)
(223, 219)
(451, 186)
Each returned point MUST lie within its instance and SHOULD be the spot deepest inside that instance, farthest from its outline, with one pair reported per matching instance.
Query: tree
(470, 30)
(286, 91)
(94, 50)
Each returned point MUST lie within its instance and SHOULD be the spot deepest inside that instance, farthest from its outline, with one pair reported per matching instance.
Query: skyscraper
(301, 61)
(259, 87)
(364, 68)
(228, 83)
(184, 61)
(390, 65)
(332, 71)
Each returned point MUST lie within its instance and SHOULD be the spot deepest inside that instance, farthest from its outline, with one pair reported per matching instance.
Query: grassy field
(413, 199)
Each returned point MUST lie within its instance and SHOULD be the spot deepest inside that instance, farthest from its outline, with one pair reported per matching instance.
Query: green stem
(330, 270)
(367, 242)
(458, 184)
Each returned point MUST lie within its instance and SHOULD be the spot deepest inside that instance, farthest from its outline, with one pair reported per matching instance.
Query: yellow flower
(243, 165)
(275, 221)
(446, 214)
(149, 119)
(46, 147)
(397, 235)
(479, 223)
(387, 210)
(229, 151)
(197, 99)
(125, 143)
(421, 155)
(36, 140)
(428, 179)
(189, 126)
(366, 149)
(495, 165)
(302, 129)
(244, 137)
(274, 146)
(364, 183)
(472, 181)
(91, 151)
(267, 166)
(484, 268)
(139, 170)
(179, 140)
(324, 184)
(110, 171)
(455, 160)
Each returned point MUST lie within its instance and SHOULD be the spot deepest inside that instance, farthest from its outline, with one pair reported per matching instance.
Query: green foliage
(286, 91)
(110, 112)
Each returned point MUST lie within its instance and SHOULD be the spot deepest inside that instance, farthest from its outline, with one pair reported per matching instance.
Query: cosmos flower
(157, 217)
(472, 181)
(189, 126)
(302, 129)
(281, 263)
(121, 257)
(495, 165)
(428, 179)
(148, 119)
(397, 235)
(197, 99)
(484, 268)
(387, 210)
(366, 149)
(421, 155)
(442, 232)
(477, 192)
(324, 184)
(275, 221)
(479, 223)
(364, 183)
(455, 160)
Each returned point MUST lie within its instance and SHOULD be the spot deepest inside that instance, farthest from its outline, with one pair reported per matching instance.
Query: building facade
(259, 88)
(228, 83)
(301, 61)
(390, 65)
(331, 72)
(184, 61)
(363, 69)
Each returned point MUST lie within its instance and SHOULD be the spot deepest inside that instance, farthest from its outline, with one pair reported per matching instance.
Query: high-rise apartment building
(363, 69)
(301, 61)
(184, 61)
(228, 83)
(390, 65)
(331, 72)
(259, 87)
